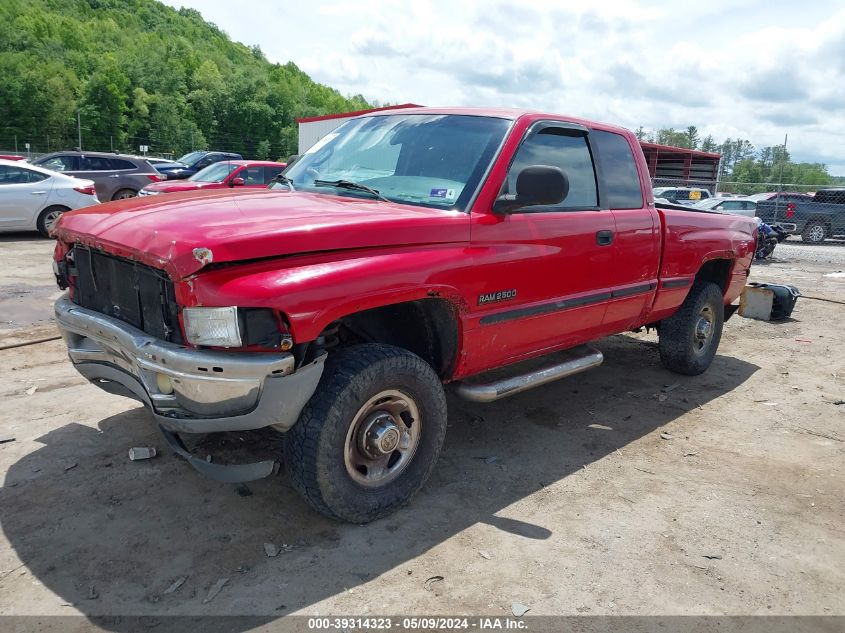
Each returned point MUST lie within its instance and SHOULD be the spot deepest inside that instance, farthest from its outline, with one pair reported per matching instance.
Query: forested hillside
(140, 72)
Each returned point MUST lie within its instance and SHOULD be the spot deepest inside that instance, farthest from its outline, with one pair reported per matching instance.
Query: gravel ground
(624, 490)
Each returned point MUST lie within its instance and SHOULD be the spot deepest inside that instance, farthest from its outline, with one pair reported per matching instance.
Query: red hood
(171, 186)
(251, 224)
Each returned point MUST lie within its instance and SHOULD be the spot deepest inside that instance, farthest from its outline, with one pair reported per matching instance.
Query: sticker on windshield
(446, 194)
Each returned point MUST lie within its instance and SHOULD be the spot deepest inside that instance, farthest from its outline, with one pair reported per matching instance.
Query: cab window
(618, 169)
(558, 147)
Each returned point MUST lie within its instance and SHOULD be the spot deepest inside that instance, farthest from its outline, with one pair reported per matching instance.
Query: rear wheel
(124, 193)
(815, 232)
(370, 436)
(48, 218)
(690, 337)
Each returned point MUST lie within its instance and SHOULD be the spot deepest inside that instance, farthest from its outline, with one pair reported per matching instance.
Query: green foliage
(142, 73)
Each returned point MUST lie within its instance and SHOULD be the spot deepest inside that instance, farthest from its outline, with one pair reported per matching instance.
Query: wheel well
(717, 271)
(428, 328)
(821, 219)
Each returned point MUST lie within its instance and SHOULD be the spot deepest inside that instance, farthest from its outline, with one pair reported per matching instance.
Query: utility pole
(111, 143)
(16, 143)
(782, 160)
(79, 129)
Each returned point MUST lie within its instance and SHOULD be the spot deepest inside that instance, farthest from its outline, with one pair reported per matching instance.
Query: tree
(692, 137)
(262, 152)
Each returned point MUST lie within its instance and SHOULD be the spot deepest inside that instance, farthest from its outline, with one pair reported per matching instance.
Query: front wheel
(690, 337)
(371, 434)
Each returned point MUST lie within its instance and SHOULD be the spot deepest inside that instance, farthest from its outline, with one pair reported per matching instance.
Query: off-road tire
(811, 232)
(314, 446)
(41, 223)
(678, 344)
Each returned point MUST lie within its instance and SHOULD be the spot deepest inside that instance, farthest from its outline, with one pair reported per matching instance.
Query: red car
(231, 173)
(12, 157)
(406, 250)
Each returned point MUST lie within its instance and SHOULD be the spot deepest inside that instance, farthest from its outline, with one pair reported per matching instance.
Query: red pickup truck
(406, 250)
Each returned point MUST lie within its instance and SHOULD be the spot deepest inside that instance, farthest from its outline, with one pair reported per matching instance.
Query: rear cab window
(621, 180)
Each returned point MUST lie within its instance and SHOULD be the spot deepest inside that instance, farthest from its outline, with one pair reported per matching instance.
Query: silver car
(116, 176)
(33, 198)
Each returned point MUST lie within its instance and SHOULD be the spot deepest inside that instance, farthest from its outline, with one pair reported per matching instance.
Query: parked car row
(33, 195)
(815, 217)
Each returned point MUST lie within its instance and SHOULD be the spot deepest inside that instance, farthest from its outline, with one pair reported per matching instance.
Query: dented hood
(183, 232)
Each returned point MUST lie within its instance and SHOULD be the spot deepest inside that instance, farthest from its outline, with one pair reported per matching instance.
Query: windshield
(428, 160)
(214, 173)
(190, 157)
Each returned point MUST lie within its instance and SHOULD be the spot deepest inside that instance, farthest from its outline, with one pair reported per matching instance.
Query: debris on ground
(600, 427)
(485, 554)
(661, 397)
(174, 586)
(666, 436)
(671, 387)
(519, 609)
(31, 390)
(271, 550)
(142, 452)
(491, 459)
(71, 466)
(243, 490)
(7, 440)
(215, 589)
(713, 556)
(92, 593)
(430, 581)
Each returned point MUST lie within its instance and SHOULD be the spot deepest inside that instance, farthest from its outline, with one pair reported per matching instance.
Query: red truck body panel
(173, 186)
(317, 258)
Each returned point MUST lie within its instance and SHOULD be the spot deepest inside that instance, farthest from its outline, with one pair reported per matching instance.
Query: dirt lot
(721, 494)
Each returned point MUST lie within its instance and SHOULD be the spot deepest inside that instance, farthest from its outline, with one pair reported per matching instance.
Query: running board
(585, 357)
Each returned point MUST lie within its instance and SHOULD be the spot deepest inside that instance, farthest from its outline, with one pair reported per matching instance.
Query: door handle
(38, 193)
(604, 238)
(115, 176)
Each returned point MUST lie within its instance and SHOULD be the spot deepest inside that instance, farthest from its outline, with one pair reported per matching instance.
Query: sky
(751, 69)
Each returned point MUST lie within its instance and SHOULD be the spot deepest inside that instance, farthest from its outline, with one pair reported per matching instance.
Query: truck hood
(183, 232)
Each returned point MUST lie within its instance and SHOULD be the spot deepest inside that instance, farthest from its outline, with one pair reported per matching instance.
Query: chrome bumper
(187, 390)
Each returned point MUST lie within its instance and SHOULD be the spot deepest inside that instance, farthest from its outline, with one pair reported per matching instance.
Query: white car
(33, 198)
(734, 206)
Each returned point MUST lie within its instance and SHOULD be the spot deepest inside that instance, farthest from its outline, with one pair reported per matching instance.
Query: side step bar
(584, 358)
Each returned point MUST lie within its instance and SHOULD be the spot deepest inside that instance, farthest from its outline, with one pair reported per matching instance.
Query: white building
(313, 128)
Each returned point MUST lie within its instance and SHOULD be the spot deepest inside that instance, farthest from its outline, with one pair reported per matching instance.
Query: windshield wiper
(348, 184)
(284, 180)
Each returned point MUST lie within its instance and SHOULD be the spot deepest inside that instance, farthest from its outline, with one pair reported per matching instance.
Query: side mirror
(537, 184)
(292, 159)
(237, 182)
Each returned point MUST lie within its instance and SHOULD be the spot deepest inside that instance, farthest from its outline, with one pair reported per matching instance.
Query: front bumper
(211, 391)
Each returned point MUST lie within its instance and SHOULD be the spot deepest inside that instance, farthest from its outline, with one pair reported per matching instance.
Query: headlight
(217, 327)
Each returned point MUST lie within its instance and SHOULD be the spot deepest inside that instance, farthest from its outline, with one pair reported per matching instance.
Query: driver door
(544, 272)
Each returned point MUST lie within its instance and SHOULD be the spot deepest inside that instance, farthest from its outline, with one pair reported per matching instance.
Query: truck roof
(501, 113)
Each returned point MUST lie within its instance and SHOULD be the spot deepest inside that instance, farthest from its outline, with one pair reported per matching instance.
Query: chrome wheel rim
(382, 439)
(51, 218)
(816, 233)
(703, 332)
(123, 195)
